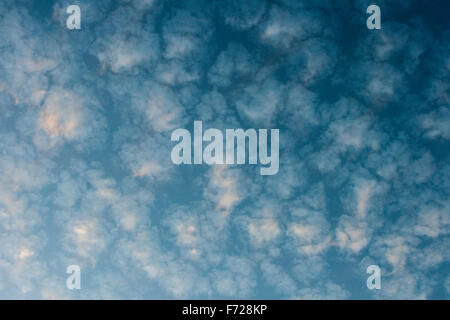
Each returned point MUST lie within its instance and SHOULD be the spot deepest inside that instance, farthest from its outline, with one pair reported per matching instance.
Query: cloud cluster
(86, 176)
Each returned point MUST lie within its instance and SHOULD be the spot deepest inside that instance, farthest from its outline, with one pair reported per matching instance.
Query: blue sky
(86, 176)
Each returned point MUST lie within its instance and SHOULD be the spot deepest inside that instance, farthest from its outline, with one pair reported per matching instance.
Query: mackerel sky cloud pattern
(86, 176)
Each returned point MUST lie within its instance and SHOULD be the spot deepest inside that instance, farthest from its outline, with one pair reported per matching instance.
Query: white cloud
(263, 230)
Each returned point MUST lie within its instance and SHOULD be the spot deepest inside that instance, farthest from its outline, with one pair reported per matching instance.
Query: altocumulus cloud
(85, 170)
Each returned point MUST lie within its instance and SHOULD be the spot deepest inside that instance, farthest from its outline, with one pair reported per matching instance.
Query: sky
(86, 176)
